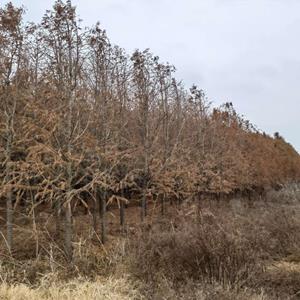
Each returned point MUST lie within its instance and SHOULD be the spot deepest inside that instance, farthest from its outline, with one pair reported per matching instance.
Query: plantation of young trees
(84, 124)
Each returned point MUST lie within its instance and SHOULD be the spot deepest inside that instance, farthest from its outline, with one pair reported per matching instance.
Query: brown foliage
(82, 123)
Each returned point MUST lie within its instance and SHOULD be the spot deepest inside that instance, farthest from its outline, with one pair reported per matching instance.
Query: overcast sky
(243, 51)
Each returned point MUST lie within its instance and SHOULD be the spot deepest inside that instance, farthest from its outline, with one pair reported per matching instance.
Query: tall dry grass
(238, 250)
(209, 251)
(106, 289)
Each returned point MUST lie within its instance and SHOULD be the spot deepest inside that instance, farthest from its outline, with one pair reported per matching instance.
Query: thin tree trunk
(95, 215)
(103, 217)
(122, 216)
(68, 208)
(68, 232)
(143, 206)
(9, 200)
(163, 208)
(145, 184)
(57, 218)
(34, 226)
(9, 220)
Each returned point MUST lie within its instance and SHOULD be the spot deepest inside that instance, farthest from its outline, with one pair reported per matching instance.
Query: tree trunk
(143, 206)
(163, 208)
(9, 220)
(9, 200)
(103, 217)
(68, 232)
(122, 216)
(96, 214)
(57, 218)
(34, 225)
(68, 208)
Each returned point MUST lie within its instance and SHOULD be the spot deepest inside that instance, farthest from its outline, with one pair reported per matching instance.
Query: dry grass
(197, 249)
(195, 290)
(125, 289)
(236, 253)
(211, 252)
(108, 289)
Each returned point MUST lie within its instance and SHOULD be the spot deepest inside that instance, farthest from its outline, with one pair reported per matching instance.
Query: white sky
(243, 51)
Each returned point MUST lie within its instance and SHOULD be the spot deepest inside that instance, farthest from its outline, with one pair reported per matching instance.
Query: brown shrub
(219, 246)
(197, 249)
